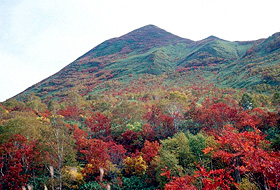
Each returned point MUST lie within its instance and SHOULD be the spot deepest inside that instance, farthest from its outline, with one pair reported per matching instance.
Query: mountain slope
(153, 51)
(258, 69)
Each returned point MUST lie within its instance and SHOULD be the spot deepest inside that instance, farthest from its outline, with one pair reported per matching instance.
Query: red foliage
(96, 152)
(131, 140)
(264, 119)
(81, 141)
(214, 179)
(150, 150)
(46, 113)
(244, 151)
(152, 115)
(70, 112)
(181, 183)
(166, 128)
(243, 119)
(18, 157)
(215, 115)
(99, 124)
(166, 172)
(148, 132)
(163, 125)
(116, 152)
(96, 156)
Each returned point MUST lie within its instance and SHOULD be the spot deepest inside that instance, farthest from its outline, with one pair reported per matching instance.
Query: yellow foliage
(247, 185)
(89, 165)
(43, 119)
(57, 116)
(72, 177)
(60, 116)
(135, 165)
(178, 96)
(74, 173)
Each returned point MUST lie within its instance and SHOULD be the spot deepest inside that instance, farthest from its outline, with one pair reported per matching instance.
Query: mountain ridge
(154, 51)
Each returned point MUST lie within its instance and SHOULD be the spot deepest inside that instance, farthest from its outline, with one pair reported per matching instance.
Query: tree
(131, 140)
(213, 179)
(163, 125)
(244, 152)
(99, 125)
(214, 116)
(96, 156)
(150, 150)
(35, 103)
(247, 102)
(175, 154)
(61, 146)
(135, 165)
(180, 147)
(181, 183)
(116, 152)
(70, 112)
(276, 98)
(18, 157)
(24, 123)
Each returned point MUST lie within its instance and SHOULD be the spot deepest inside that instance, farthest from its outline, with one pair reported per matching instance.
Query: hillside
(149, 110)
(153, 51)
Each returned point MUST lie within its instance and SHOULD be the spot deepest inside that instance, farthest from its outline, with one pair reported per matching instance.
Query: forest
(142, 137)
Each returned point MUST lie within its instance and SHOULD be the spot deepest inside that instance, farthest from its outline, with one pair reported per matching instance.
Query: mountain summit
(153, 51)
(139, 40)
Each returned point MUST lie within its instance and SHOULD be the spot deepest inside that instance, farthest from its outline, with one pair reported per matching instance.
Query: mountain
(137, 109)
(155, 52)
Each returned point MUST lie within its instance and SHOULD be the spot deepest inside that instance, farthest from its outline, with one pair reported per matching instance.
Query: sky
(40, 37)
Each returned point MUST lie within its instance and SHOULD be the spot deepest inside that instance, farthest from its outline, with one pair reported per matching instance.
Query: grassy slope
(150, 50)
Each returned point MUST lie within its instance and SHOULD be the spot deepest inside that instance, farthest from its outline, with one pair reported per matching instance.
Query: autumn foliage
(141, 137)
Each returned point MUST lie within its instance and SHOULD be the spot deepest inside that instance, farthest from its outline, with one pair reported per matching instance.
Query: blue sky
(40, 37)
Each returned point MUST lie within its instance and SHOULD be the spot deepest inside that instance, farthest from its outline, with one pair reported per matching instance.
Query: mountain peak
(212, 38)
(139, 40)
(152, 32)
(149, 26)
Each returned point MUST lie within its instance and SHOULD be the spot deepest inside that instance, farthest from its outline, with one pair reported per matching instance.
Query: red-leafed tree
(99, 125)
(163, 125)
(264, 118)
(245, 153)
(81, 141)
(150, 150)
(213, 179)
(70, 112)
(96, 156)
(116, 152)
(92, 151)
(214, 115)
(131, 140)
(17, 159)
(181, 183)
(152, 115)
(148, 132)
